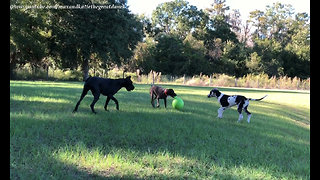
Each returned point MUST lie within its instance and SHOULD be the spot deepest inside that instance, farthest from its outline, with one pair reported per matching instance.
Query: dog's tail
(251, 99)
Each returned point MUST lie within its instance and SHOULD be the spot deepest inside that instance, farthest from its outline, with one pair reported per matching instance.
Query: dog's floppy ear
(129, 77)
(170, 92)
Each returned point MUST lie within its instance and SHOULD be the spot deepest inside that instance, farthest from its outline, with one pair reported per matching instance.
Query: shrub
(249, 81)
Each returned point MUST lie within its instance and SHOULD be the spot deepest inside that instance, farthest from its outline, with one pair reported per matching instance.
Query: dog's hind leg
(96, 95)
(248, 113)
(84, 93)
(107, 102)
(115, 101)
(240, 106)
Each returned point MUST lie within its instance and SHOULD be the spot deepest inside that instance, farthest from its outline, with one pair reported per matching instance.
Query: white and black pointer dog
(229, 101)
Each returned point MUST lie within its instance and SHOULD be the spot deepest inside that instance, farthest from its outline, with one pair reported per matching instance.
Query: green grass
(47, 141)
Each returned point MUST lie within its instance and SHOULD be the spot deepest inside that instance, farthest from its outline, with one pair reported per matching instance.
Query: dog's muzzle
(130, 88)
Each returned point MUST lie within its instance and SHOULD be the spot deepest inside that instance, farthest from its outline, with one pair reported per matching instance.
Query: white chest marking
(220, 97)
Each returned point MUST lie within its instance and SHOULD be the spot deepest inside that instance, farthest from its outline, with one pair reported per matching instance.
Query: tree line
(179, 39)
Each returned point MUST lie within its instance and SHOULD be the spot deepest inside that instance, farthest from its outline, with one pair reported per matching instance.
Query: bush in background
(248, 81)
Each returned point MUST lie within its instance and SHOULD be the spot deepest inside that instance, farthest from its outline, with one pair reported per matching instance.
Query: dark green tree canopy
(178, 39)
(176, 17)
(111, 34)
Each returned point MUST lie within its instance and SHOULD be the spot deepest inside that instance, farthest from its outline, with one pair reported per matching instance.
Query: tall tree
(218, 8)
(176, 17)
(110, 34)
(215, 31)
(274, 22)
(282, 40)
(28, 33)
(259, 21)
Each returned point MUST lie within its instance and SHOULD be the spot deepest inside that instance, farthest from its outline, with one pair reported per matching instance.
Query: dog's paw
(249, 116)
(240, 117)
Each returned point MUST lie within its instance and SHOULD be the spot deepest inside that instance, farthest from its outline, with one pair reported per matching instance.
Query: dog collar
(165, 92)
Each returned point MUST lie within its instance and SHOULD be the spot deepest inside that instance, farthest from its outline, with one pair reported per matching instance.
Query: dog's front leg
(165, 102)
(96, 96)
(152, 100)
(158, 104)
(240, 117)
(220, 112)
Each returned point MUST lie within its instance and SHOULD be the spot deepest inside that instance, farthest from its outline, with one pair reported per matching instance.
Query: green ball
(177, 103)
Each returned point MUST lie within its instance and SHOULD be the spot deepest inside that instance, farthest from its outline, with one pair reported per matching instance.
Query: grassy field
(48, 141)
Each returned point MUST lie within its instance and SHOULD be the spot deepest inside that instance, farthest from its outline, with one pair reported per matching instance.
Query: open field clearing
(48, 141)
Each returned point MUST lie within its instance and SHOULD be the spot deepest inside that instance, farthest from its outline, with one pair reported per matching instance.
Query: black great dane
(106, 87)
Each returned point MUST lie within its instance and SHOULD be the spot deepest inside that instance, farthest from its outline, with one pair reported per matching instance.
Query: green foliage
(171, 55)
(73, 36)
(109, 34)
(179, 39)
(27, 43)
(282, 41)
(176, 17)
(254, 63)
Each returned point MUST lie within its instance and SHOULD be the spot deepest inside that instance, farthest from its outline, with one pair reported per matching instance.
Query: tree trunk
(12, 67)
(85, 69)
(47, 71)
(152, 77)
